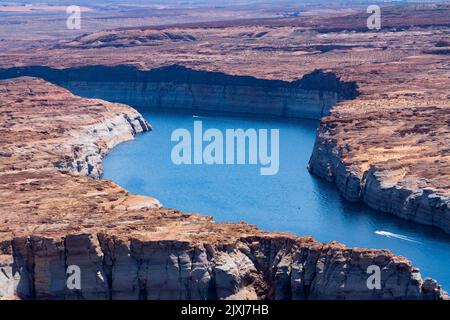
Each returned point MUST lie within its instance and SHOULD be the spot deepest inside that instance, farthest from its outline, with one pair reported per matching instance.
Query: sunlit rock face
(254, 267)
(388, 147)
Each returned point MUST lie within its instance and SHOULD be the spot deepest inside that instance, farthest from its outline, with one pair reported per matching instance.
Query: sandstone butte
(388, 147)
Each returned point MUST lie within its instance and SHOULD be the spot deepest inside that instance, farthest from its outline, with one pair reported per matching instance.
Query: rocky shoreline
(387, 185)
(127, 246)
(264, 266)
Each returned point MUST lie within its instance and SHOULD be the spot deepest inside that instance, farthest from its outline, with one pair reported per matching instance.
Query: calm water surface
(293, 200)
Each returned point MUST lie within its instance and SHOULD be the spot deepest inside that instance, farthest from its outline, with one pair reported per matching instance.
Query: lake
(292, 200)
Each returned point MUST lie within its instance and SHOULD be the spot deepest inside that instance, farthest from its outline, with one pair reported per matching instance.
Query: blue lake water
(293, 200)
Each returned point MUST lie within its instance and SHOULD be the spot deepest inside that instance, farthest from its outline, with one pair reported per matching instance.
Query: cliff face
(127, 247)
(177, 87)
(404, 167)
(251, 267)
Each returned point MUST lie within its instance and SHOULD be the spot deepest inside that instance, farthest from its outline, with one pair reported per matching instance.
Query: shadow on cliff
(173, 86)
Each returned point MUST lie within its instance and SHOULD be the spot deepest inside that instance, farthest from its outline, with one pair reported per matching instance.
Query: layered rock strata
(393, 158)
(78, 136)
(178, 87)
(54, 214)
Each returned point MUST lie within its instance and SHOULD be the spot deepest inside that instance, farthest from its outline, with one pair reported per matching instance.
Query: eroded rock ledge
(54, 215)
(394, 158)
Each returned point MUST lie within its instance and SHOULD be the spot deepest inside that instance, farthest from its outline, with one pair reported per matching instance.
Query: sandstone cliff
(53, 215)
(33, 144)
(178, 87)
(155, 265)
(389, 160)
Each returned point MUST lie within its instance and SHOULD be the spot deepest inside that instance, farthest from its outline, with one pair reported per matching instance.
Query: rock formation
(393, 158)
(125, 38)
(54, 214)
(178, 87)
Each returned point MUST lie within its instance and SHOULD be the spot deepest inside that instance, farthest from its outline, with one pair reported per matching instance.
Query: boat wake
(395, 236)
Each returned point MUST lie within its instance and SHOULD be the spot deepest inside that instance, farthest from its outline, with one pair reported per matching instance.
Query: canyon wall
(408, 182)
(252, 267)
(55, 214)
(177, 87)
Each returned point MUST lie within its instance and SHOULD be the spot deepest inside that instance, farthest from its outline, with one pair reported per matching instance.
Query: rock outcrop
(85, 141)
(125, 38)
(404, 167)
(258, 266)
(55, 215)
